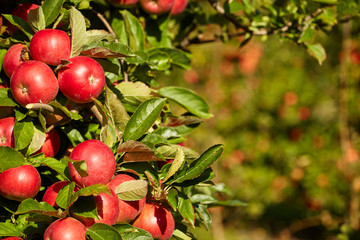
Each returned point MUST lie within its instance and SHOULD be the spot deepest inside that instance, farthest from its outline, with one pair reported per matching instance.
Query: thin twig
(38, 106)
(111, 30)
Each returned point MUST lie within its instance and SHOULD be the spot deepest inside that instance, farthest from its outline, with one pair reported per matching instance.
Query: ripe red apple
(157, 220)
(157, 6)
(65, 229)
(21, 11)
(33, 82)
(107, 207)
(51, 145)
(7, 132)
(124, 3)
(20, 183)
(14, 57)
(50, 46)
(178, 7)
(52, 191)
(100, 163)
(128, 210)
(82, 79)
(12, 238)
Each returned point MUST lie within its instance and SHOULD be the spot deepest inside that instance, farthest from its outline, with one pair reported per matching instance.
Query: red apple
(20, 183)
(65, 229)
(157, 220)
(124, 3)
(21, 11)
(128, 210)
(33, 82)
(51, 145)
(52, 191)
(7, 132)
(178, 7)
(82, 79)
(14, 57)
(107, 207)
(157, 6)
(100, 163)
(50, 46)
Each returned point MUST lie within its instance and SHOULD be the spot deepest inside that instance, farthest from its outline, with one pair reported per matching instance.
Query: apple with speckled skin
(20, 183)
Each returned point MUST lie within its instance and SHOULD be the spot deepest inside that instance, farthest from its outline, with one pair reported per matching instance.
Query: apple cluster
(174, 7)
(32, 79)
(36, 75)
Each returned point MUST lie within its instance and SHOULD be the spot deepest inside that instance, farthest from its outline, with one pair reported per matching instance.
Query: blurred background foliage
(282, 118)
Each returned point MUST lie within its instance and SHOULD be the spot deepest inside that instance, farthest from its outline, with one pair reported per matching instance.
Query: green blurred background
(291, 133)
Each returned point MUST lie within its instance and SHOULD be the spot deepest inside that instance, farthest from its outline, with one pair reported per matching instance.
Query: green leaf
(10, 158)
(102, 231)
(308, 35)
(186, 209)
(176, 164)
(206, 176)
(158, 34)
(37, 140)
(330, 2)
(9, 229)
(132, 190)
(36, 19)
(96, 35)
(188, 99)
(143, 118)
(134, 31)
(51, 9)
(85, 206)
(2, 55)
(317, 51)
(204, 215)
(177, 56)
(92, 190)
(20, 24)
(58, 166)
(116, 111)
(103, 49)
(170, 151)
(65, 194)
(32, 206)
(172, 198)
(6, 98)
(23, 134)
(78, 31)
(198, 166)
(177, 234)
(128, 232)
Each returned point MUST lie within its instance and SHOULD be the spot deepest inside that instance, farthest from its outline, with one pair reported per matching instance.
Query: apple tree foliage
(142, 122)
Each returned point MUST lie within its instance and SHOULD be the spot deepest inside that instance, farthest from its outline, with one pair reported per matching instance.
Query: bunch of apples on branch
(90, 147)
